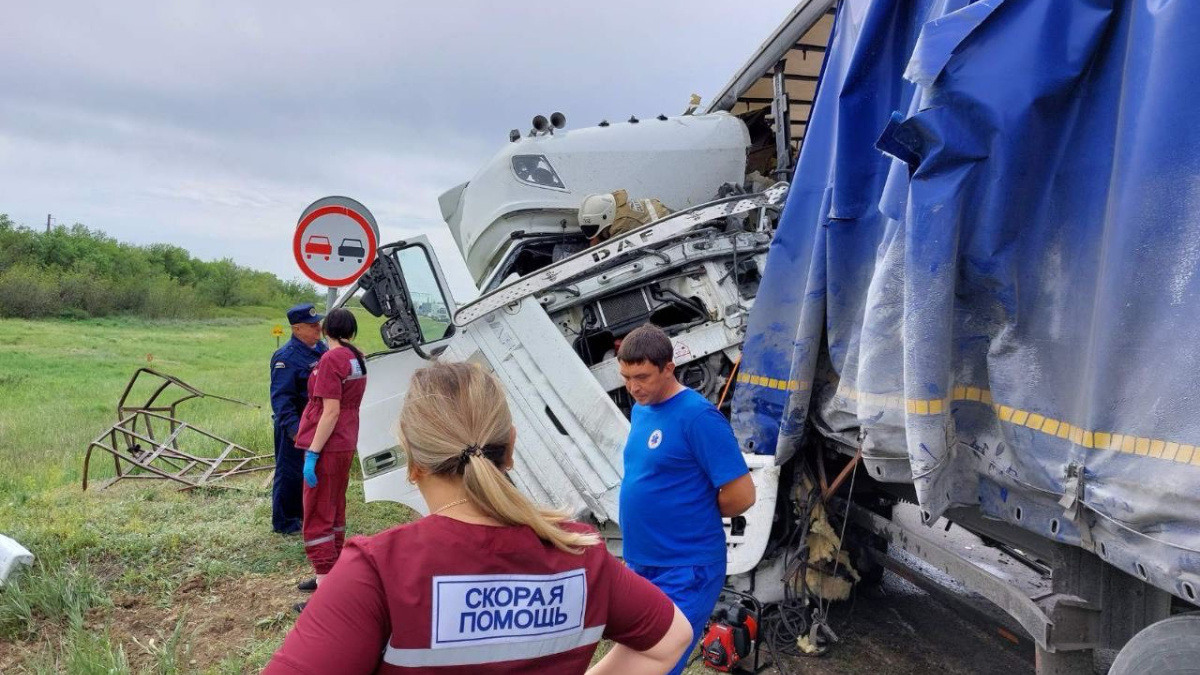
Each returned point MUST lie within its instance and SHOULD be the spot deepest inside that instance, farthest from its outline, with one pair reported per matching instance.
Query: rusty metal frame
(139, 453)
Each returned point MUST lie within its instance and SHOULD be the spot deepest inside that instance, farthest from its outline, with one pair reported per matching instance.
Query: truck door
(406, 287)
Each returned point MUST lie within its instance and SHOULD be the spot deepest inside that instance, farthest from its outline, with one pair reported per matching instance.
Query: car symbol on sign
(351, 248)
(318, 245)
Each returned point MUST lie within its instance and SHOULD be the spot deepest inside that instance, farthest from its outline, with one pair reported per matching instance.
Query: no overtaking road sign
(335, 241)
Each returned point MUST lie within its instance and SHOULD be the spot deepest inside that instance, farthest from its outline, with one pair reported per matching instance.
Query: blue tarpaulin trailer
(985, 277)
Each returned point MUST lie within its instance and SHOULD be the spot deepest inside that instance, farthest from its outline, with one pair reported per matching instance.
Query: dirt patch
(215, 621)
(894, 629)
(217, 618)
(899, 630)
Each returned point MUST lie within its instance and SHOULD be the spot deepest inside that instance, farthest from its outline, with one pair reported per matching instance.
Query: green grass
(61, 593)
(61, 381)
(129, 579)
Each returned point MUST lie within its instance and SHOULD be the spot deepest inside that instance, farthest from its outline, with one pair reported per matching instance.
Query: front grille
(625, 307)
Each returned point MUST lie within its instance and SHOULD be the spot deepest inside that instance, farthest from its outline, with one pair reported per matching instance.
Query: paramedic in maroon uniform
(488, 582)
(328, 435)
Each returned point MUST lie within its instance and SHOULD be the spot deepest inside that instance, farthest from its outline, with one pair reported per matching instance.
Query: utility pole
(47, 223)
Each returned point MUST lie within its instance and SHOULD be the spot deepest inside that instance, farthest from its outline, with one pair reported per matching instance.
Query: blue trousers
(693, 589)
(287, 490)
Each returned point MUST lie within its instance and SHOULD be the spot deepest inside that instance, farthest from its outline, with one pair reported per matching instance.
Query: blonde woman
(488, 582)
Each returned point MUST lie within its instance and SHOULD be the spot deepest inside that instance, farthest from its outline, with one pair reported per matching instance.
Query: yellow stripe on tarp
(1091, 439)
(771, 382)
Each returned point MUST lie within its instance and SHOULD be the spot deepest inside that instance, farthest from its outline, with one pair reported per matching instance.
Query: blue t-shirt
(679, 454)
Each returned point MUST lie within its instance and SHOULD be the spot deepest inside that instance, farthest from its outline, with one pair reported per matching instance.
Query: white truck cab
(555, 348)
(508, 217)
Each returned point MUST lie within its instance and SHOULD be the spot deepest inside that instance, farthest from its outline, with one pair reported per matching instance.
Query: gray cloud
(212, 125)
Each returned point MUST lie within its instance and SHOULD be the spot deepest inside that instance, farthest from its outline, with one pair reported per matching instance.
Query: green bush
(26, 293)
(83, 291)
(75, 272)
(165, 299)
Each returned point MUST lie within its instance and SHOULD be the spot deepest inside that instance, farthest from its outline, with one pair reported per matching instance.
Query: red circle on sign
(325, 211)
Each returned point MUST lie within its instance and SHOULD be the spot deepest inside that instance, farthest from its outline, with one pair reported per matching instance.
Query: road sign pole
(330, 298)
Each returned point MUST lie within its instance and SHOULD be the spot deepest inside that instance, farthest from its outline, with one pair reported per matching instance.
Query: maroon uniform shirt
(443, 596)
(339, 376)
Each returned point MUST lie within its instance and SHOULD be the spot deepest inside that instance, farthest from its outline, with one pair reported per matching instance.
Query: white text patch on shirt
(499, 608)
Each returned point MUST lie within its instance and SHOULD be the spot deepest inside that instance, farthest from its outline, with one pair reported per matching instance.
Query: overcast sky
(212, 125)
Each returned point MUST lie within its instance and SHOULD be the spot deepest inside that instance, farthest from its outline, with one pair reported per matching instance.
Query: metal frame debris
(140, 451)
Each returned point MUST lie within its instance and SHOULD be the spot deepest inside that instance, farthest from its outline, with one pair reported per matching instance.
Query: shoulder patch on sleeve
(280, 364)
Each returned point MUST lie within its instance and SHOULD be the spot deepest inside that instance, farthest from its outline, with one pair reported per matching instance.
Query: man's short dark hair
(647, 343)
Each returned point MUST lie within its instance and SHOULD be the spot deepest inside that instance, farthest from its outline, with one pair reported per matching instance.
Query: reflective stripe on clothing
(318, 540)
(493, 653)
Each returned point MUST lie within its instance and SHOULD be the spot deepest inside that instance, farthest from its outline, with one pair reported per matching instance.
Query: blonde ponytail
(456, 421)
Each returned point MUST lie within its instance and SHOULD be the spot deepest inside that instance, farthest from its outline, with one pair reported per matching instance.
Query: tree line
(77, 272)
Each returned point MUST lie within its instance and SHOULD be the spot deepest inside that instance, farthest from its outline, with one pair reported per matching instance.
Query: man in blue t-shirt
(683, 473)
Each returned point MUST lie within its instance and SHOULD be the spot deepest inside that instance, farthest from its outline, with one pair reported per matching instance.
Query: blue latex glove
(310, 467)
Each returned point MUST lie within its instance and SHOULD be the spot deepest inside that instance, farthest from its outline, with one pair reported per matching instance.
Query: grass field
(141, 578)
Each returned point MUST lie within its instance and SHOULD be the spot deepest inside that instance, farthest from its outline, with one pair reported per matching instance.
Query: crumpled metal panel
(570, 437)
(987, 263)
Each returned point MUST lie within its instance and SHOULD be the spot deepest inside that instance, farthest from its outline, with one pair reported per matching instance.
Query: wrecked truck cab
(555, 348)
(507, 221)
(550, 337)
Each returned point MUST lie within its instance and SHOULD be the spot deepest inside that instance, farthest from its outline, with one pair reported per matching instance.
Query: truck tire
(1169, 647)
(859, 544)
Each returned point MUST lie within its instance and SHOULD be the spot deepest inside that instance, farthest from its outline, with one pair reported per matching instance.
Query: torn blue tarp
(985, 275)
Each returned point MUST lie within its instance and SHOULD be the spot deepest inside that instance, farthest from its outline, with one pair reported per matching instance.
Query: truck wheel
(860, 542)
(870, 572)
(1168, 647)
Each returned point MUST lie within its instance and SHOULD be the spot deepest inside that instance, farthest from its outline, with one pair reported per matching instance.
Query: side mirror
(405, 286)
(370, 302)
(398, 334)
(385, 294)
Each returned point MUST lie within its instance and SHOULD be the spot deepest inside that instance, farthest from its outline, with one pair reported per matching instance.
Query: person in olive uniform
(290, 367)
(611, 214)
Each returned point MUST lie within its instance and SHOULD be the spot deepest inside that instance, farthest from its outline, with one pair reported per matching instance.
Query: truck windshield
(535, 252)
